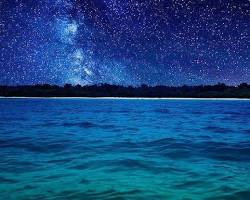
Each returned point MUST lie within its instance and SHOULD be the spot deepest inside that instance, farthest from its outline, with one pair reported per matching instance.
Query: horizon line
(129, 98)
(120, 85)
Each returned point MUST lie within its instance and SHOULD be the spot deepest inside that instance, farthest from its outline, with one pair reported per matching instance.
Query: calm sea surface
(103, 149)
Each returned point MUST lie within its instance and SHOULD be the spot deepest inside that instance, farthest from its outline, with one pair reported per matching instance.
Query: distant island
(219, 90)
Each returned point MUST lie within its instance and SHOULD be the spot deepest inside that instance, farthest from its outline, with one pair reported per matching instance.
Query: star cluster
(169, 42)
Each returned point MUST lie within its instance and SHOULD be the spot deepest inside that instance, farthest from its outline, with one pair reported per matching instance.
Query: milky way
(128, 42)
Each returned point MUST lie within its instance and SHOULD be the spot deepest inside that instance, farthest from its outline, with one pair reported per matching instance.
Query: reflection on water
(124, 149)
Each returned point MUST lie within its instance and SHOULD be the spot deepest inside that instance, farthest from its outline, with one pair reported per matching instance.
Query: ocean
(124, 149)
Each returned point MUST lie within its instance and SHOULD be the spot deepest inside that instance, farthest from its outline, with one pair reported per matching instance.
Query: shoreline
(131, 98)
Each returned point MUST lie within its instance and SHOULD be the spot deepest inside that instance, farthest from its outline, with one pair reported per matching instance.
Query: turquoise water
(86, 149)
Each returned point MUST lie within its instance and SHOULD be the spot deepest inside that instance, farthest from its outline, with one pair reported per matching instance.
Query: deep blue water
(91, 149)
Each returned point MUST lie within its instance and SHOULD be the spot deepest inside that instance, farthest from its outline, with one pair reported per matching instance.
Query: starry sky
(125, 42)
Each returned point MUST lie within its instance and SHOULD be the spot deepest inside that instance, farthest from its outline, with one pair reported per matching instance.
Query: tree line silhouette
(219, 90)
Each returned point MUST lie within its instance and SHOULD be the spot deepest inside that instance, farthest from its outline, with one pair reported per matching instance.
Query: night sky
(129, 42)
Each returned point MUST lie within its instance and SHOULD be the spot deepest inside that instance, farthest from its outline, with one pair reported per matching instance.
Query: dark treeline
(219, 90)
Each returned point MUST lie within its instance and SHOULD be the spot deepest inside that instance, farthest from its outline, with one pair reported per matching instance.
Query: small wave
(88, 125)
(162, 111)
(241, 195)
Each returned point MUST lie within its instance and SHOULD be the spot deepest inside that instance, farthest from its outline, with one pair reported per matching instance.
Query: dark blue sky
(170, 42)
